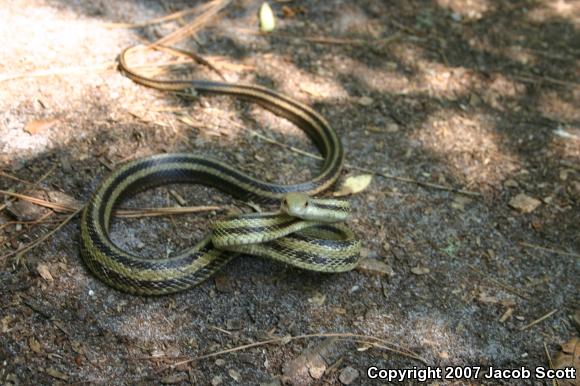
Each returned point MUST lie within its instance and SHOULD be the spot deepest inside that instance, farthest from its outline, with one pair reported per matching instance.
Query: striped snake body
(304, 233)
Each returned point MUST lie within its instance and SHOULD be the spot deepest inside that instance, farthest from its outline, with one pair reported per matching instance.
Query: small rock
(459, 203)
(377, 267)
(418, 270)
(365, 101)
(26, 211)
(524, 203)
(348, 375)
(317, 299)
(574, 190)
(316, 370)
(511, 183)
(44, 272)
(456, 17)
(34, 345)
(220, 362)
(56, 374)
(236, 376)
(215, 381)
(392, 127)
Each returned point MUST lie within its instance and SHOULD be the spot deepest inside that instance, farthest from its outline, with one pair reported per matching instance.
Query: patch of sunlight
(301, 84)
(516, 53)
(38, 37)
(545, 10)
(41, 36)
(386, 78)
(438, 80)
(468, 9)
(147, 323)
(553, 106)
(433, 333)
(469, 144)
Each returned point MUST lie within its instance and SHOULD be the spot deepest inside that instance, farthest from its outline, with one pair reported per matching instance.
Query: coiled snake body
(312, 240)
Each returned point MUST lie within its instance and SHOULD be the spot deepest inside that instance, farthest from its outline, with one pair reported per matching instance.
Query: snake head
(305, 207)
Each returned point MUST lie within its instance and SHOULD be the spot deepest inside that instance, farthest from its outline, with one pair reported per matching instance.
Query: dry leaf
(485, 298)
(354, 184)
(288, 12)
(235, 375)
(44, 272)
(63, 199)
(420, 270)
(5, 322)
(374, 266)
(316, 370)
(267, 19)
(311, 363)
(27, 211)
(567, 358)
(524, 203)
(511, 183)
(56, 374)
(459, 202)
(365, 101)
(34, 345)
(318, 299)
(38, 125)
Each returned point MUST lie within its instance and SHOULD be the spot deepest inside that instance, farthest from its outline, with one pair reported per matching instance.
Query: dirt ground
(439, 96)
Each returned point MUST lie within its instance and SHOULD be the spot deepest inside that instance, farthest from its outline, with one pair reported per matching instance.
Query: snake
(307, 232)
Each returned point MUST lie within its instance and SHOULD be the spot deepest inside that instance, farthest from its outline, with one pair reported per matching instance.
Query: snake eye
(306, 204)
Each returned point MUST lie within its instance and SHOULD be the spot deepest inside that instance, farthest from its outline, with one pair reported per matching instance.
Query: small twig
(40, 201)
(210, 10)
(137, 212)
(221, 330)
(167, 211)
(554, 382)
(14, 178)
(541, 319)
(556, 251)
(34, 307)
(48, 173)
(500, 284)
(192, 55)
(355, 337)
(323, 39)
(417, 182)
(528, 78)
(385, 175)
(40, 220)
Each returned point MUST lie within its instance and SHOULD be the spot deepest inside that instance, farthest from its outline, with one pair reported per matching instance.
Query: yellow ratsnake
(305, 232)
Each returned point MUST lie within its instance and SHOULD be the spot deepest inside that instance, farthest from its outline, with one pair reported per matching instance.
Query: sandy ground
(480, 96)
